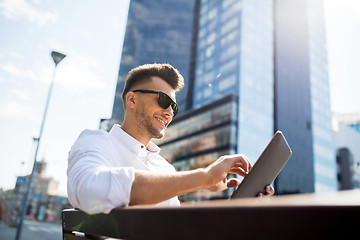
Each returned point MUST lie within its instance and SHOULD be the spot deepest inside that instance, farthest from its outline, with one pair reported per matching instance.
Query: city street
(32, 230)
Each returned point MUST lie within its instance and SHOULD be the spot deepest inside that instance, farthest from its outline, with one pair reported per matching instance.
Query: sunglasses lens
(174, 108)
(165, 101)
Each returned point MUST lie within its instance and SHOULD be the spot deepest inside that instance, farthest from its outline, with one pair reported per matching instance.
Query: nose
(169, 112)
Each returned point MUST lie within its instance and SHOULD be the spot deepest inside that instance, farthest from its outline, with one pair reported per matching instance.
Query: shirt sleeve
(94, 185)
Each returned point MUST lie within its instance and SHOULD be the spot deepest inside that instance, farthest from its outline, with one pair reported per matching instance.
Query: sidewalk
(32, 230)
(7, 233)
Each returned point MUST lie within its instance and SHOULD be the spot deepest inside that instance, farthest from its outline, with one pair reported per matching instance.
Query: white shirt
(101, 169)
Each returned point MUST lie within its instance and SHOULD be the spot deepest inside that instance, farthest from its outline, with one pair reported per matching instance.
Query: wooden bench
(327, 216)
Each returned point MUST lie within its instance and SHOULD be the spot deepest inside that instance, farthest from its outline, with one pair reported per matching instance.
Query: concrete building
(44, 202)
(350, 119)
(347, 143)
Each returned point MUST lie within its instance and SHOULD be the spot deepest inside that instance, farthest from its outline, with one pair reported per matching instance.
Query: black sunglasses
(164, 100)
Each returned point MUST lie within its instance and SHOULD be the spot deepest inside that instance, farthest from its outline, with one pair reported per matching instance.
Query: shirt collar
(153, 148)
(131, 143)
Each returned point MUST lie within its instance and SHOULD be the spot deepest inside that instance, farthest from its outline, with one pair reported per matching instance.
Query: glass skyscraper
(293, 98)
(302, 108)
(270, 55)
(235, 56)
(323, 136)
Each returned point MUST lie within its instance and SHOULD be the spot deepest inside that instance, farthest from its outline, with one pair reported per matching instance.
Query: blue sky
(91, 33)
(343, 30)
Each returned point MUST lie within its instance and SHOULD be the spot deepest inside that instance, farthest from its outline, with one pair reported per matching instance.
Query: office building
(302, 106)
(347, 142)
(350, 119)
(322, 134)
(235, 56)
(345, 167)
(198, 137)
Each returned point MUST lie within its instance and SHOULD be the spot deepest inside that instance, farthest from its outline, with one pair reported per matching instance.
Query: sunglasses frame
(162, 95)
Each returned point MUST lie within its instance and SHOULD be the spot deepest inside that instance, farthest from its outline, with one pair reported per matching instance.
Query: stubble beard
(144, 124)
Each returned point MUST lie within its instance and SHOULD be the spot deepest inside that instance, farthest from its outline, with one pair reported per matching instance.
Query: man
(123, 167)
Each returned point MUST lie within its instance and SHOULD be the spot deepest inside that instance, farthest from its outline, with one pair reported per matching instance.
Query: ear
(130, 100)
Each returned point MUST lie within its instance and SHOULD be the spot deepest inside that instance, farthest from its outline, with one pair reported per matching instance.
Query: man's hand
(217, 171)
(151, 188)
(269, 190)
(236, 164)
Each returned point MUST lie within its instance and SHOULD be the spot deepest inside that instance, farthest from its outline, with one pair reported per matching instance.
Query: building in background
(235, 56)
(345, 166)
(292, 94)
(350, 119)
(269, 55)
(198, 137)
(347, 144)
(302, 102)
(44, 202)
(321, 124)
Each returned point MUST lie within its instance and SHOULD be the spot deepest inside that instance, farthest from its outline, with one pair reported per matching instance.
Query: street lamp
(57, 57)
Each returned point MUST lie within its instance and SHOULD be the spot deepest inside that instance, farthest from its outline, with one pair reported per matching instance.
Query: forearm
(151, 188)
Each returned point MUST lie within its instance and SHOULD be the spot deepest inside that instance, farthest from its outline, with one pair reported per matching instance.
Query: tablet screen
(266, 168)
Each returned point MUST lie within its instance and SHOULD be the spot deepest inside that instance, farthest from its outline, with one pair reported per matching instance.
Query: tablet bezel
(266, 168)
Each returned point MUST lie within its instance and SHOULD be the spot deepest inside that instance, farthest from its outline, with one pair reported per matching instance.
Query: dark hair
(162, 70)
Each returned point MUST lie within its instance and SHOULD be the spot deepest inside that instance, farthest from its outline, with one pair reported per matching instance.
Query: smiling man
(123, 167)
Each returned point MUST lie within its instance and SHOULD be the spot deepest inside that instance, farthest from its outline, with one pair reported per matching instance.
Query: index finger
(243, 162)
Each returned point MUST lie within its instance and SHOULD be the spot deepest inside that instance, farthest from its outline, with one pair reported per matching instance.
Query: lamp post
(57, 57)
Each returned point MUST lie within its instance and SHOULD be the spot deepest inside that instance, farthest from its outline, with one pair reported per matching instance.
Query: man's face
(151, 118)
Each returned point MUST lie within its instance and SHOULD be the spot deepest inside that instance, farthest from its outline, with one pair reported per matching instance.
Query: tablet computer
(266, 168)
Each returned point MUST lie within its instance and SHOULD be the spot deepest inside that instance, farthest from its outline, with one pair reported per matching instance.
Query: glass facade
(156, 31)
(197, 138)
(323, 139)
(293, 99)
(256, 89)
(302, 97)
(218, 50)
(235, 56)
(202, 120)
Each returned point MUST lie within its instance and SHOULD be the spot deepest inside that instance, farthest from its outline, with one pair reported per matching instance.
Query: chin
(156, 133)
(160, 135)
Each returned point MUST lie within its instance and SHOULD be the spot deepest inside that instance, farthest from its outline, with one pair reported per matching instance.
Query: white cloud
(16, 55)
(78, 73)
(19, 94)
(78, 78)
(15, 9)
(11, 69)
(13, 109)
(17, 72)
